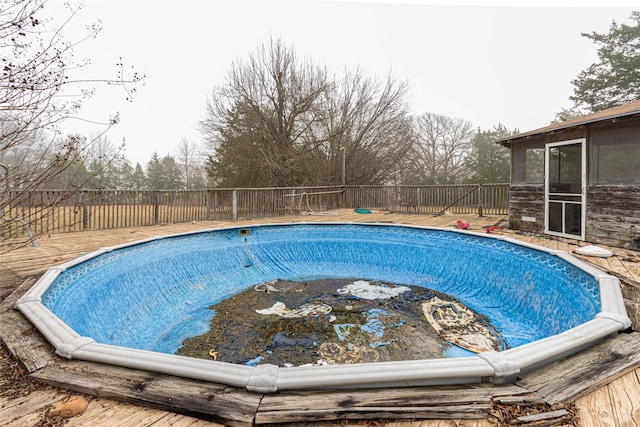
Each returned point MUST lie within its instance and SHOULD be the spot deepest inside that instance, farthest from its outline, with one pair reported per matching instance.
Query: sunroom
(579, 179)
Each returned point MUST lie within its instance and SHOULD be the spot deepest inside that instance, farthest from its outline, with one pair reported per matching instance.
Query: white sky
(476, 60)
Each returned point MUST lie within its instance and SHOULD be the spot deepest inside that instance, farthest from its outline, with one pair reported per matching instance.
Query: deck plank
(616, 264)
(596, 409)
(209, 401)
(624, 393)
(29, 420)
(104, 412)
(24, 341)
(15, 411)
(443, 402)
(177, 420)
(631, 268)
(572, 378)
(19, 335)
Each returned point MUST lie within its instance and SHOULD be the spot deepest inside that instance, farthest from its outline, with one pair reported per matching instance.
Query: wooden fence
(53, 211)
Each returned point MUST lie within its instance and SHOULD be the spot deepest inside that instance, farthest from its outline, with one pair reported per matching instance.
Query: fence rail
(52, 211)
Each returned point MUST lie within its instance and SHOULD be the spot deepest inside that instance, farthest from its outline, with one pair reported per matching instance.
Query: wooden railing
(51, 211)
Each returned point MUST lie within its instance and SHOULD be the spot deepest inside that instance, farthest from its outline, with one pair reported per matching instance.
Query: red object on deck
(462, 225)
(493, 228)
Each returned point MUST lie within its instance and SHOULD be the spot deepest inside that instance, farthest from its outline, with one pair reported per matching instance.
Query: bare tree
(369, 120)
(36, 65)
(275, 95)
(280, 121)
(439, 149)
(103, 160)
(188, 156)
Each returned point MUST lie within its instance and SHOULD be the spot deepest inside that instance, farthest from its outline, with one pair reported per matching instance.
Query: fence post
(234, 205)
(207, 205)
(85, 211)
(156, 208)
(479, 199)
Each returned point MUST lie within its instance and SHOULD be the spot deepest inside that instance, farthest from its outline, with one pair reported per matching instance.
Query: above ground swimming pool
(133, 305)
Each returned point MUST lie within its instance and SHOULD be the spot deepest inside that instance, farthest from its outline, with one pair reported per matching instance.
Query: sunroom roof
(620, 111)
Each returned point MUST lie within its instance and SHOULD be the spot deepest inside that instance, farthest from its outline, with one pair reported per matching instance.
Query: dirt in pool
(329, 321)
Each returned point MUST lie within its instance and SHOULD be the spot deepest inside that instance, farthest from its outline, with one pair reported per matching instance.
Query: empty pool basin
(133, 305)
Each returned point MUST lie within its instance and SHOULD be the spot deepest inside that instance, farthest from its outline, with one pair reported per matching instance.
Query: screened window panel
(614, 156)
(527, 162)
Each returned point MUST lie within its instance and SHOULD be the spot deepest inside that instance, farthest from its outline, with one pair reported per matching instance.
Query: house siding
(526, 202)
(613, 215)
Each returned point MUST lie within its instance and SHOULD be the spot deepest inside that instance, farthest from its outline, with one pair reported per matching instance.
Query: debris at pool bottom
(457, 324)
(328, 321)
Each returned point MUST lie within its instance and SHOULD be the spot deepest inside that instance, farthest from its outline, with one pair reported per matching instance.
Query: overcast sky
(475, 60)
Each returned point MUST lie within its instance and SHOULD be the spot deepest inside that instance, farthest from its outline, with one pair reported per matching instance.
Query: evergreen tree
(138, 178)
(488, 161)
(154, 173)
(171, 173)
(123, 175)
(163, 174)
(615, 78)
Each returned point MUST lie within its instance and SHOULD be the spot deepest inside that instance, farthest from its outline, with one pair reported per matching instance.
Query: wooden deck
(602, 394)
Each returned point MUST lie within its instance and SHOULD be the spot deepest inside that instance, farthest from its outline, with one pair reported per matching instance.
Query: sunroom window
(527, 164)
(614, 156)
